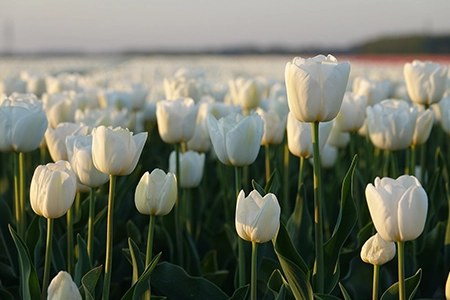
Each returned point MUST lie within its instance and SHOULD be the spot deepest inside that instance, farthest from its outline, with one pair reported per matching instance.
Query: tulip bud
(274, 126)
(257, 218)
(156, 193)
(176, 119)
(422, 129)
(425, 81)
(244, 92)
(191, 168)
(52, 190)
(353, 112)
(236, 139)
(391, 124)
(377, 251)
(315, 87)
(56, 138)
(116, 151)
(398, 207)
(63, 287)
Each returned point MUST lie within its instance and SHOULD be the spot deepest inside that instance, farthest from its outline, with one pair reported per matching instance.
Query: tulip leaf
(173, 282)
(325, 297)
(83, 264)
(411, 286)
(5, 295)
(344, 292)
(258, 188)
(88, 283)
(278, 286)
(29, 283)
(136, 260)
(344, 225)
(134, 232)
(141, 285)
(294, 268)
(35, 238)
(240, 293)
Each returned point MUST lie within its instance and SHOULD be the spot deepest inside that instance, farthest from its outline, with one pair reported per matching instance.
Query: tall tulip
(155, 195)
(398, 208)
(425, 81)
(191, 168)
(315, 87)
(257, 221)
(52, 192)
(353, 111)
(115, 151)
(244, 92)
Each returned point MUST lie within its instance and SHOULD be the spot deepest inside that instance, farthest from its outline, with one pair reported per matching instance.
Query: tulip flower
(315, 87)
(53, 189)
(353, 112)
(116, 151)
(191, 168)
(181, 87)
(447, 287)
(56, 138)
(338, 138)
(377, 252)
(176, 119)
(398, 208)
(374, 91)
(299, 136)
(422, 129)
(156, 193)
(425, 81)
(22, 125)
(328, 156)
(257, 221)
(274, 126)
(236, 139)
(63, 287)
(60, 107)
(391, 124)
(244, 92)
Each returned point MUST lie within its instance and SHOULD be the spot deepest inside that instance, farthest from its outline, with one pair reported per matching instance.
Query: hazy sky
(96, 26)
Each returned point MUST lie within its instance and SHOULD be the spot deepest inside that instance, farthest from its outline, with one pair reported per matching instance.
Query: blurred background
(224, 27)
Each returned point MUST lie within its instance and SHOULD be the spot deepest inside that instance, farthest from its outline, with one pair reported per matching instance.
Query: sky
(196, 25)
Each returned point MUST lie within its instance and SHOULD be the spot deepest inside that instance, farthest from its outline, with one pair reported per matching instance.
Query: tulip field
(225, 177)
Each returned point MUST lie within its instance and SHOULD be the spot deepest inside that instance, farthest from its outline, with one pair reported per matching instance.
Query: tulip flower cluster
(157, 179)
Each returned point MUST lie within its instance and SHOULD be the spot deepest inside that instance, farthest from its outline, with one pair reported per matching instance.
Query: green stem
(253, 283)
(17, 195)
(48, 258)
(241, 253)
(401, 270)
(22, 195)
(187, 207)
(423, 163)
(318, 222)
(109, 237)
(69, 218)
(376, 277)
(386, 158)
(286, 206)
(412, 168)
(178, 230)
(267, 161)
(301, 169)
(148, 255)
(90, 241)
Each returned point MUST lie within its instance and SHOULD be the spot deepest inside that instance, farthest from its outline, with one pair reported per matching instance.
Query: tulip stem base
(178, 230)
(401, 270)
(23, 224)
(376, 277)
(17, 195)
(286, 204)
(267, 161)
(254, 274)
(109, 237)
(241, 253)
(318, 221)
(48, 258)
(90, 239)
(148, 255)
(69, 219)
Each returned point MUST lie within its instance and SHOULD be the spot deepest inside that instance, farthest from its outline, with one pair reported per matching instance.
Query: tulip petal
(412, 213)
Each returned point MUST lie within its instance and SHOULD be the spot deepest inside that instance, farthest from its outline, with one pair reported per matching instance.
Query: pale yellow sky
(99, 26)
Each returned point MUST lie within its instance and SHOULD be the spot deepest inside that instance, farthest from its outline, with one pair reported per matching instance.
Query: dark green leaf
(141, 285)
(258, 188)
(411, 285)
(134, 232)
(136, 260)
(173, 282)
(344, 292)
(240, 293)
(88, 283)
(294, 268)
(325, 297)
(83, 264)
(346, 221)
(29, 283)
